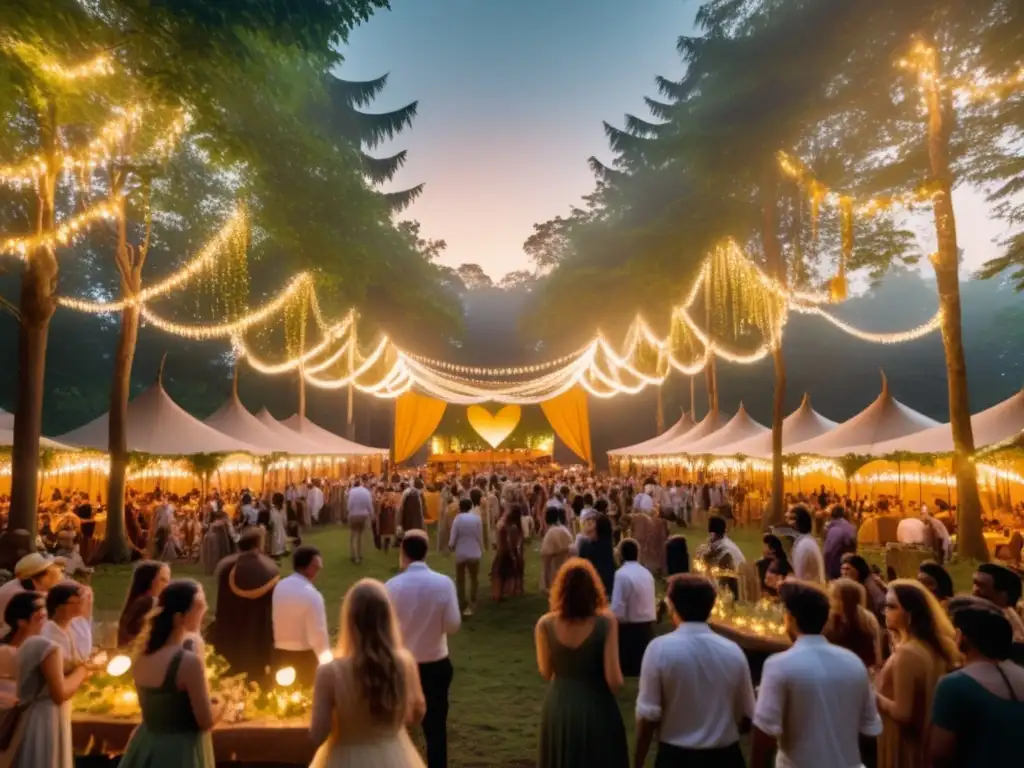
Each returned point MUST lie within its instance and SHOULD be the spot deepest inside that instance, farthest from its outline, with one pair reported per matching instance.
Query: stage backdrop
(417, 417)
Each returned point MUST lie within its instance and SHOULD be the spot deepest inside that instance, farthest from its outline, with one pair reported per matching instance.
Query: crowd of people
(897, 673)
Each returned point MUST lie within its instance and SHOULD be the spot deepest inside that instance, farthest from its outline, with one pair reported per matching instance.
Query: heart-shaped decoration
(494, 429)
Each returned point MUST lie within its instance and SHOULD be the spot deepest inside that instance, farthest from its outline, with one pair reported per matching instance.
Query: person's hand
(218, 707)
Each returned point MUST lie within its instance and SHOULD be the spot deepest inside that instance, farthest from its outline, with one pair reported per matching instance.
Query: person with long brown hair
(925, 649)
(149, 579)
(851, 625)
(578, 652)
(364, 698)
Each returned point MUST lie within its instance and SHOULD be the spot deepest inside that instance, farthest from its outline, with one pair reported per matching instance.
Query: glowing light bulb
(118, 665)
(285, 676)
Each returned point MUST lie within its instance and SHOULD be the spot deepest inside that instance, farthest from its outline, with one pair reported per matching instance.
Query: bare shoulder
(546, 619)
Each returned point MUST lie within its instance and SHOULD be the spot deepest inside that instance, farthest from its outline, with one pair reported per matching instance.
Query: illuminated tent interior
(347, 456)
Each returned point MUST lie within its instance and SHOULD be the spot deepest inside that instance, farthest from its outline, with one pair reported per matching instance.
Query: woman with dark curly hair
(578, 652)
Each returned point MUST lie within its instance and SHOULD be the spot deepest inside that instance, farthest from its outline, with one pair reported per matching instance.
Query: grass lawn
(497, 693)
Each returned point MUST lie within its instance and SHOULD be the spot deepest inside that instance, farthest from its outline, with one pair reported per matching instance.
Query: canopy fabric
(569, 415)
(333, 444)
(159, 426)
(300, 446)
(233, 419)
(681, 427)
(740, 427)
(885, 419)
(803, 424)
(416, 418)
(7, 440)
(707, 425)
(997, 424)
(6, 420)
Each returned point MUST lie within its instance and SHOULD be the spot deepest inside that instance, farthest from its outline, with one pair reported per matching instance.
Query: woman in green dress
(578, 652)
(177, 713)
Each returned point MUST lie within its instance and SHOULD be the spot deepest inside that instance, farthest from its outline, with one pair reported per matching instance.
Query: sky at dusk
(511, 98)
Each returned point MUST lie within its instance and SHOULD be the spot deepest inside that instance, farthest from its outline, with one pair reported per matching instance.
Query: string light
(95, 154)
(165, 144)
(64, 233)
(100, 65)
(922, 59)
(301, 282)
(204, 259)
(902, 337)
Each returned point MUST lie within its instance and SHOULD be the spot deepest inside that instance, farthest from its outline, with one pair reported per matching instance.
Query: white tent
(159, 426)
(233, 419)
(7, 440)
(300, 446)
(1001, 422)
(332, 443)
(6, 420)
(804, 423)
(681, 427)
(740, 427)
(707, 426)
(885, 419)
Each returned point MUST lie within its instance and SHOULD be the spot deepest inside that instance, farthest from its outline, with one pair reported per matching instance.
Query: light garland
(63, 234)
(301, 282)
(96, 153)
(931, 325)
(210, 252)
(922, 60)
(100, 65)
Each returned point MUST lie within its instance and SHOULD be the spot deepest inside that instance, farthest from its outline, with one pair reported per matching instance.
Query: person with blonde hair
(851, 625)
(925, 649)
(364, 698)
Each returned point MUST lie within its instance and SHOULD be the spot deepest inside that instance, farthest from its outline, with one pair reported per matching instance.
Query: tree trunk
(970, 539)
(693, 401)
(38, 303)
(659, 410)
(777, 268)
(350, 424)
(116, 548)
(710, 370)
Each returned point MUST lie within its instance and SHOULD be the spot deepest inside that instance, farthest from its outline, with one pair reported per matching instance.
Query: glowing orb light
(118, 665)
(285, 676)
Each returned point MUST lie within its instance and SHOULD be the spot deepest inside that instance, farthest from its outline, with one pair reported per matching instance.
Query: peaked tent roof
(6, 419)
(332, 443)
(7, 440)
(707, 425)
(159, 426)
(740, 427)
(997, 424)
(681, 427)
(234, 419)
(886, 418)
(301, 446)
(804, 423)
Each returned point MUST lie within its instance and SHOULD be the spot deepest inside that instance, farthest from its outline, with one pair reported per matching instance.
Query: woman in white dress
(43, 735)
(364, 698)
(278, 527)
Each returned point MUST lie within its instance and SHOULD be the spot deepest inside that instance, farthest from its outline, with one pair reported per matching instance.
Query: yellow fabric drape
(570, 418)
(416, 418)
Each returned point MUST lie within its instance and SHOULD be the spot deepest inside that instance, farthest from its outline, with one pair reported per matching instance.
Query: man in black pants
(428, 611)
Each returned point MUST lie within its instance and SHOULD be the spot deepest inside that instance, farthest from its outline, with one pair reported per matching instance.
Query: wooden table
(100, 740)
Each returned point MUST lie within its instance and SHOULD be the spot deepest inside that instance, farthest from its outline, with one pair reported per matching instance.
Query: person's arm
(192, 679)
(453, 539)
(61, 687)
(905, 674)
(316, 625)
(620, 596)
(322, 718)
(768, 715)
(948, 716)
(416, 702)
(612, 670)
(648, 704)
(452, 614)
(540, 637)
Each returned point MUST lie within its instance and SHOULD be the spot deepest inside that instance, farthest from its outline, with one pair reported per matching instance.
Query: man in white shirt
(816, 699)
(467, 541)
(588, 510)
(360, 510)
(428, 611)
(634, 605)
(808, 562)
(695, 686)
(314, 500)
(643, 502)
(299, 617)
